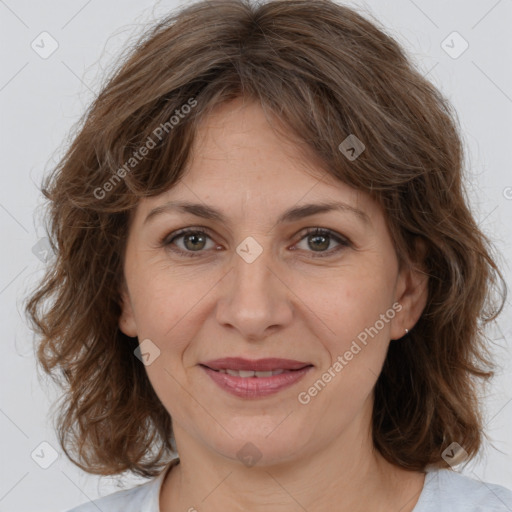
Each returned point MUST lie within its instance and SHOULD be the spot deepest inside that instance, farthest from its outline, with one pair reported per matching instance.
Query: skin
(286, 303)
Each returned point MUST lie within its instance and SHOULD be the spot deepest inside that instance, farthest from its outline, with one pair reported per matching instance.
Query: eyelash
(167, 242)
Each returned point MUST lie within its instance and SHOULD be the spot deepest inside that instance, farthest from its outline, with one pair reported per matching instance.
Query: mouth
(255, 378)
(250, 373)
(269, 364)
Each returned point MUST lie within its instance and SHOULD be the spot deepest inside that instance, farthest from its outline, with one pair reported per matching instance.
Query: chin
(260, 446)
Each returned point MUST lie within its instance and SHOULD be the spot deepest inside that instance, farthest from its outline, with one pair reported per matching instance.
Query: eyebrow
(293, 214)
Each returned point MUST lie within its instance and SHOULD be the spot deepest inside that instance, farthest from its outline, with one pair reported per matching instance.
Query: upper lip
(258, 365)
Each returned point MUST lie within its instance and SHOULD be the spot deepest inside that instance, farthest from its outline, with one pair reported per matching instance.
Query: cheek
(169, 310)
(163, 297)
(349, 300)
(356, 344)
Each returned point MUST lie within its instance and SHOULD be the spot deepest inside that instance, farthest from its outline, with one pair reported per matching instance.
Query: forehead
(240, 162)
(240, 138)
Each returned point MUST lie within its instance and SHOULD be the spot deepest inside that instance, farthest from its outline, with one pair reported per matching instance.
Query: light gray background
(41, 99)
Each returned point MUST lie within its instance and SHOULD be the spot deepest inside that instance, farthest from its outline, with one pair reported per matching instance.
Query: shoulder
(144, 497)
(446, 490)
(127, 500)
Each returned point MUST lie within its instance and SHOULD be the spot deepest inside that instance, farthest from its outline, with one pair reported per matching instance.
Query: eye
(321, 238)
(195, 241)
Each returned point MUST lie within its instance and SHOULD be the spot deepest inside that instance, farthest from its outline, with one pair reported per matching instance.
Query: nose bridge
(253, 298)
(253, 270)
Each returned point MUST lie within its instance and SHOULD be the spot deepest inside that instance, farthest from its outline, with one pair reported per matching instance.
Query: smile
(255, 379)
(251, 373)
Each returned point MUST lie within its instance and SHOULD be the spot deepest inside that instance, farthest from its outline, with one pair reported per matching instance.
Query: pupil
(195, 238)
(325, 238)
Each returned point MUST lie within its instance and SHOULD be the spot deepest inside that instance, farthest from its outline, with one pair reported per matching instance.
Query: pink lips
(289, 372)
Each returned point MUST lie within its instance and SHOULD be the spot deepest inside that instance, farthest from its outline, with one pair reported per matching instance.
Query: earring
(406, 331)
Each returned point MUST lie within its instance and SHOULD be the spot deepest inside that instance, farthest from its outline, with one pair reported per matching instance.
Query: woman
(269, 290)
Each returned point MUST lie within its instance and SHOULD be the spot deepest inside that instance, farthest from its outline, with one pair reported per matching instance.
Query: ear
(411, 293)
(127, 323)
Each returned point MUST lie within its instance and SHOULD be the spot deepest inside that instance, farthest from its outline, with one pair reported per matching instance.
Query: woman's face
(258, 287)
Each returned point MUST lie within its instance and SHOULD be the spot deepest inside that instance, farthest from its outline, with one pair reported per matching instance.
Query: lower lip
(255, 387)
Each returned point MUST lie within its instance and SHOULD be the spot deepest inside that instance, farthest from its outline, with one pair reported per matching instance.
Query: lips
(252, 379)
(252, 368)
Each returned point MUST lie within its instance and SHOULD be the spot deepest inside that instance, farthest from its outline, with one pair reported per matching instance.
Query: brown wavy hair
(326, 71)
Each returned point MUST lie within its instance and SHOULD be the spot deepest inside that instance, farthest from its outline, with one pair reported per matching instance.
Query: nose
(254, 298)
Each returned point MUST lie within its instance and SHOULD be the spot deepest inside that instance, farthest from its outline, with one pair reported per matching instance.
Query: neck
(347, 475)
